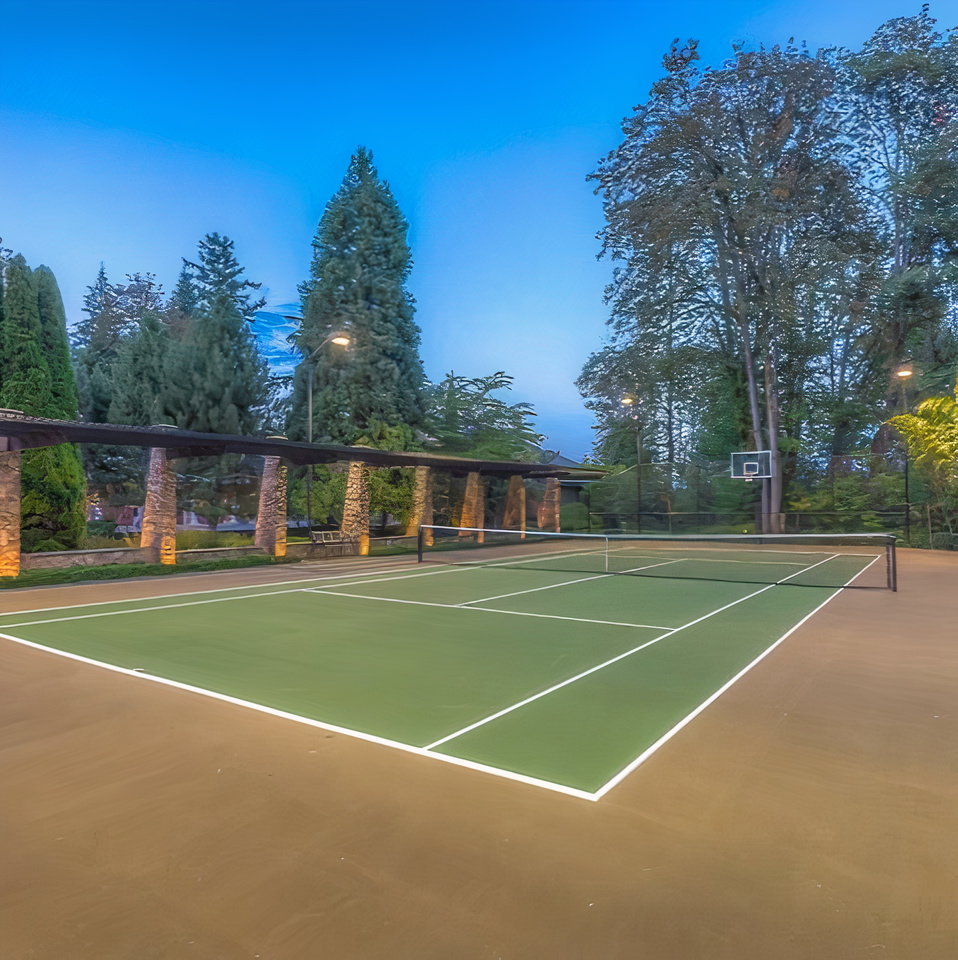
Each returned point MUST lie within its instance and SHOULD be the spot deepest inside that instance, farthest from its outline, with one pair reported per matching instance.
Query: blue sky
(130, 130)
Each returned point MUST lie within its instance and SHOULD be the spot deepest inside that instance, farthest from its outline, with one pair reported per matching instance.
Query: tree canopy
(357, 285)
(778, 232)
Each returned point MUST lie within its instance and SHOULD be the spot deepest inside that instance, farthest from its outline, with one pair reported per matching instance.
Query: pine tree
(360, 266)
(216, 381)
(55, 345)
(184, 296)
(95, 302)
(25, 375)
(139, 374)
(217, 273)
(38, 381)
(100, 341)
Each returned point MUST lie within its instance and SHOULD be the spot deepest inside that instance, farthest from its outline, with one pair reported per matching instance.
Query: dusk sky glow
(129, 131)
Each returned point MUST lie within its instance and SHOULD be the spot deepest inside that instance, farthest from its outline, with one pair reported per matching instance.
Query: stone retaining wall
(62, 559)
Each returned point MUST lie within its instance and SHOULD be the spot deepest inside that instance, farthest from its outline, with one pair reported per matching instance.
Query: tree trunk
(355, 525)
(756, 416)
(776, 518)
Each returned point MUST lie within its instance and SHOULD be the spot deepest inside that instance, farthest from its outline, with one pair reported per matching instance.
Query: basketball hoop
(751, 465)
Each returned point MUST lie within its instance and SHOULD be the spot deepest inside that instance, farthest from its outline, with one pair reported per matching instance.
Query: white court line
(185, 593)
(756, 562)
(621, 656)
(307, 721)
(322, 591)
(568, 583)
(164, 606)
(265, 588)
(622, 774)
(425, 751)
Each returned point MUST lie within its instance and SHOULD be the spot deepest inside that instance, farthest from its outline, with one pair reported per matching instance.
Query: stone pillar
(10, 513)
(549, 508)
(159, 512)
(271, 515)
(421, 504)
(515, 514)
(355, 525)
(474, 505)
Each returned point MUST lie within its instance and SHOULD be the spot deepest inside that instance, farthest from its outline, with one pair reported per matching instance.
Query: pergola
(20, 432)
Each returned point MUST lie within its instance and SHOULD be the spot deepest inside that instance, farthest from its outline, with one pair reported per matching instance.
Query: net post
(419, 539)
(892, 561)
(606, 554)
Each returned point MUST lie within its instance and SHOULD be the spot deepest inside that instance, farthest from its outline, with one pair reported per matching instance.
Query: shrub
(944, 541)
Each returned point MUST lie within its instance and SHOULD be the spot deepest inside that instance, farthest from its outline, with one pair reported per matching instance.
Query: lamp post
(629, 404)
(903, 373)
(340, 339)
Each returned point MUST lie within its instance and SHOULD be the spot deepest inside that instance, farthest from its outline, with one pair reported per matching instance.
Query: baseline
(307, 721)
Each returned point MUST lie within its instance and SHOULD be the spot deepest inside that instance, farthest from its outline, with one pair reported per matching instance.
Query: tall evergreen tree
(26, 380)
(138, 378)
(361, 262)
(217, 273)
(96, 300)
(55, 345)
(216, 380)
(37, 380)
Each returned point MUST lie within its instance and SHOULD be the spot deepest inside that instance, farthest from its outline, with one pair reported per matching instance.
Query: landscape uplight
(341, 341)
(905, 372)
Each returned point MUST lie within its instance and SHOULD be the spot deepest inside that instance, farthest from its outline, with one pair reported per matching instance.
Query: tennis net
(798, 559)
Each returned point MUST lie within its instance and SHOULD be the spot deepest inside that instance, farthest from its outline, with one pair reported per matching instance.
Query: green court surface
(562, 678)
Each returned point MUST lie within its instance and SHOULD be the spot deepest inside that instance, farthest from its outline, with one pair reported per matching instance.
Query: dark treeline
(190, 359)
(784, 229)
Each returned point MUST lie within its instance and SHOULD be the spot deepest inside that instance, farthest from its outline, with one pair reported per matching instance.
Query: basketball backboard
(752, 465)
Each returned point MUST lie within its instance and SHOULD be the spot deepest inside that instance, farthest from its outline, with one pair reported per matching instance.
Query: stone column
(549, 508)
(10, 513)
(474, 505)
(515, 514)
(158, 532)
(271, 515)
(421, 504)
(355, 525)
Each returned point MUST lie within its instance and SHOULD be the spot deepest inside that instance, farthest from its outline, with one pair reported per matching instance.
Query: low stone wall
(61, 559)
(320, 551)
(216, 553)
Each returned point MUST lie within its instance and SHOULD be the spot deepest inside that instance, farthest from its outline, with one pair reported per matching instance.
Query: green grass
(123, 571)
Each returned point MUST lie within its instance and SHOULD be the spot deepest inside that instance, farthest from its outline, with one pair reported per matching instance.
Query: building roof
(21, 432)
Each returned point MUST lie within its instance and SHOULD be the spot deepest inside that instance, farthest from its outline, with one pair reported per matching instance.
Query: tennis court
(562, 663)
